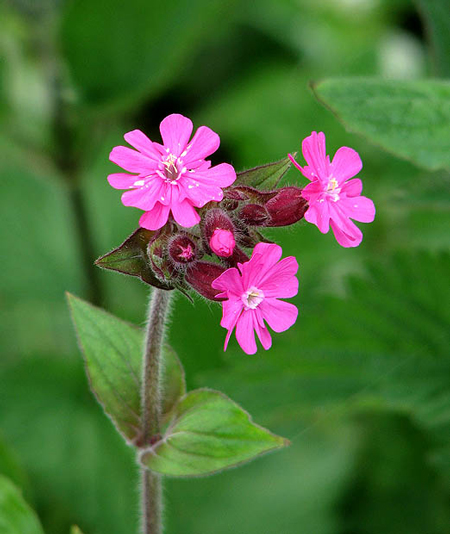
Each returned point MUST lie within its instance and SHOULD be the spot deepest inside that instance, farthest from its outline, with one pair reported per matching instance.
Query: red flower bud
(254, 215)
(222, 242)
(182, 249)
(217, 218)
(287, 207)
(200, 276)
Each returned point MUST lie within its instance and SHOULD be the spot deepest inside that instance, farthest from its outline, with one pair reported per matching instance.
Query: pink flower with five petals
(332, 197)
(252, 294)
(173, 177)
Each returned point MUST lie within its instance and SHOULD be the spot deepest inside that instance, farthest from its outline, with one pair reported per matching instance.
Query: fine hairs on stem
(151, 406)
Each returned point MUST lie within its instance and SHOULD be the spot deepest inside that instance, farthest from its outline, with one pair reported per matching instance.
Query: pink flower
(333, 198)
(253, 292)
(173, 177)
(222, 242)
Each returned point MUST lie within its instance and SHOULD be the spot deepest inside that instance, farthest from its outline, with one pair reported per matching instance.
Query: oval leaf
(411, 119)
(267, 176)
(16, 517)
(209, 432)
(112, 350)
(131, 258)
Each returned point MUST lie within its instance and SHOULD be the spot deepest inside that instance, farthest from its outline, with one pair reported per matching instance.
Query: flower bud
(217, 218)
(254, 215)
(222, 242)
(161, 266)
(182, 250)
(200, 276)
(287, 207)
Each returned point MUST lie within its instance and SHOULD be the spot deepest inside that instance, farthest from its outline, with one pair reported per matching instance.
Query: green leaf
(437, 21)
(10, 467)
(75, 530)
(113, 353)
(16, 517)
(411, 119)
(267, 176)
(141, 47)
(131, 258)
(209, 432)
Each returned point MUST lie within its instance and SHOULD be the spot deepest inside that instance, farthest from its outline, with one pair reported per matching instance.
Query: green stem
(151, 406)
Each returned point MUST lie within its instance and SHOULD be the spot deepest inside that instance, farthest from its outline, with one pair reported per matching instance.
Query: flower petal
(361, 209)
(122, 180)
(352, 188)
(264, 256)
(279, 315)
(245, 333)
(314, 152)
(145, 197)
(344, 239)
(141, 142)
(230, 281)
(200, 193)
(263, 334)
(346, 164)
(185, 214)
(132, 161)
(318, 214)
(175, 132)
(346, 232)
(204, 143)
(155, 218)
(280, 280)
(232, 308)
(222, 175)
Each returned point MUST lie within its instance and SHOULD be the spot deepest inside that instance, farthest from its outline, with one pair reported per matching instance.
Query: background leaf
(113, 354)
(408, 118)
(142, 46)
(437, 21)
(209, 432)
(16, 517)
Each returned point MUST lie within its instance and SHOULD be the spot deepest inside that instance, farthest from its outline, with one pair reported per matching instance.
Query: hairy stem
(151, 406)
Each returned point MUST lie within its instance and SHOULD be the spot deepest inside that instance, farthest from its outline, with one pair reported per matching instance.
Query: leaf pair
(205, 431)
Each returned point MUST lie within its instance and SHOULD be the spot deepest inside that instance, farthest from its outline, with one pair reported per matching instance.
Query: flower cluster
(200, 222)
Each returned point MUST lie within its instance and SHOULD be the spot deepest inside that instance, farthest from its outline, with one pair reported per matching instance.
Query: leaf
(437, 21)
(142, 45)
(16, 517)
(75, 530)
(11, 468)
(131, 258)
(209, 432)
(112, 350)
(411, 119)
(267, 176)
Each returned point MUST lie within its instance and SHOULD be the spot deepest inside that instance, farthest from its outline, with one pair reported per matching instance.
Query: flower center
(252, 298)
(171, 168)
(333, 190)
(185, 252)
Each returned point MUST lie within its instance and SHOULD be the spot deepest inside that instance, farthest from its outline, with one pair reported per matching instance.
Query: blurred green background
(361, 384)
